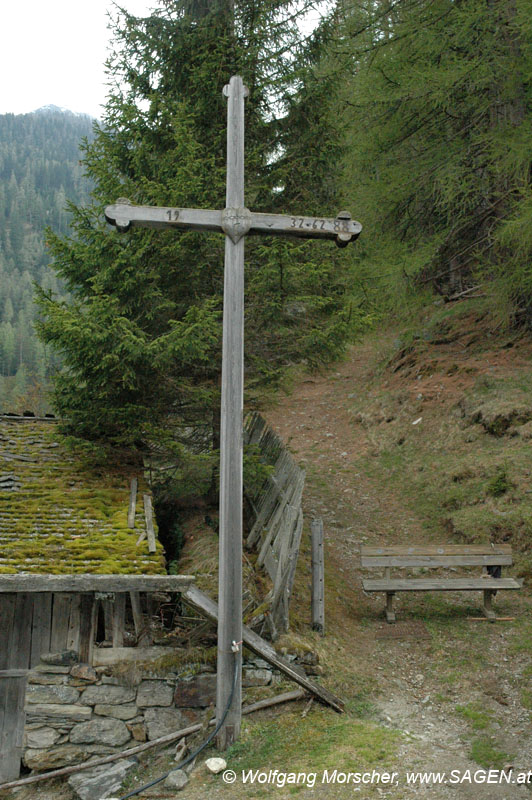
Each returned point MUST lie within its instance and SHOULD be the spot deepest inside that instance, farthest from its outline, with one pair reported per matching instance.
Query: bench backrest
(451, 555)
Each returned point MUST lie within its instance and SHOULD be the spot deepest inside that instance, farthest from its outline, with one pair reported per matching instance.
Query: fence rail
(278, 519)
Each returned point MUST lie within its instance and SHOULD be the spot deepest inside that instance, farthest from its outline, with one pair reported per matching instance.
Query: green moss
(68, 516)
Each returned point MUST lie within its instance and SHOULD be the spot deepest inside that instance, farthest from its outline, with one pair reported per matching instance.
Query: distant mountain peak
(53, 109)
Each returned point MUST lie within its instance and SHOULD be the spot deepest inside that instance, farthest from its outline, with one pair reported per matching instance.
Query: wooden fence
(278, 519)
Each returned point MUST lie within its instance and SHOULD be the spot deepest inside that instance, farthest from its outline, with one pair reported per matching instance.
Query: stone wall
(76, 712)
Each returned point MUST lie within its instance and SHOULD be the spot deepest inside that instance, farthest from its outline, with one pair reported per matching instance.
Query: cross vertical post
(230, 563)
(235, 221)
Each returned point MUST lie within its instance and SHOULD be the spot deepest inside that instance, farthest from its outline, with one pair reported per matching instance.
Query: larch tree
(436, 95)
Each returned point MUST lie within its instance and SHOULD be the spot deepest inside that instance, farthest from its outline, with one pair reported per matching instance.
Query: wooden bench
(491, 557)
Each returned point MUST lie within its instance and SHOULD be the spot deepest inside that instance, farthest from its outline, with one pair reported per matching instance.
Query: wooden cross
(237, 222)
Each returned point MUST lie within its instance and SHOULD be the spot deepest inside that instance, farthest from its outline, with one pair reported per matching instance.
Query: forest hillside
(40, 172)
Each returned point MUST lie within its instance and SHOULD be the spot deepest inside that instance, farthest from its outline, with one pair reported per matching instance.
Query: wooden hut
(77, 542)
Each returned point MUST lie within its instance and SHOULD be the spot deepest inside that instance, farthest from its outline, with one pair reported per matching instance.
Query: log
(254, 642)
(286, 697)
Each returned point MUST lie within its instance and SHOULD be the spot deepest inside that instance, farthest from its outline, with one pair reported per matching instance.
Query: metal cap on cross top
(236, 222)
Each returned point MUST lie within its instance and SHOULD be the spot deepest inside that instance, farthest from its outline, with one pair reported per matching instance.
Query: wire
(207, 741)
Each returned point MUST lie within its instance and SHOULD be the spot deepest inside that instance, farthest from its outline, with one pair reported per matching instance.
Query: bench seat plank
(436, 561)
(438, 584)
(437, 550)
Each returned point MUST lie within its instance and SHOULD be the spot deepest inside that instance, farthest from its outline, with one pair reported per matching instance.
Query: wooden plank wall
(278, 518)
(33, 623)
(16, 617)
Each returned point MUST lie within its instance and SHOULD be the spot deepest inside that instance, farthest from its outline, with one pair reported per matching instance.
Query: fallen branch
(286, 697)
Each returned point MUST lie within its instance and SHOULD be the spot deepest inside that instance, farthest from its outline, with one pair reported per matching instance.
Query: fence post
(318, 574)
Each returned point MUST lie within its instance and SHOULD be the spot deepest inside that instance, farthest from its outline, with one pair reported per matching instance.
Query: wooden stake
(318, 575)
(132, 503)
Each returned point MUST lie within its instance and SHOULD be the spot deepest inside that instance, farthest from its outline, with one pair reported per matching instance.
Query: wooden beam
(148, 514)
(231, 433)
(209, 608)
(60, 622)
(431, 562)
(142, 629)
(437, 549)
(87, 623)
(318, 576)
(125, 215)
(132, 503)
(94, 583)
(119, 619)
(41, 625)
(13, 673)
(439, 584)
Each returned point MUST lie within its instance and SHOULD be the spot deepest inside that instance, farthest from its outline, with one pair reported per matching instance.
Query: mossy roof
(62, 513)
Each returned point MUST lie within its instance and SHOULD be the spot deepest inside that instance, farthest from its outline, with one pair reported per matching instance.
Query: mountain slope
(40, 172)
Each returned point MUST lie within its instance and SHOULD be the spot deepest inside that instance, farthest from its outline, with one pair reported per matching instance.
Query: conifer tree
(437, 98)
(141, 338)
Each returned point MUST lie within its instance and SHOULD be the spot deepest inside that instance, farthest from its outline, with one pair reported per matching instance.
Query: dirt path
(453, 689)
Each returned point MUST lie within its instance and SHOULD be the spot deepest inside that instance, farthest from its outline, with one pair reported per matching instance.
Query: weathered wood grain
(60, 622)
(438, 584)
(318, 576)
(41, 625)
(148, 515)
(119, 619)
(209, 608)
(141, 624)
(431, 561)
(437, 549)
(132, 503)
(87, 625)
(94, 583)
(231, 433)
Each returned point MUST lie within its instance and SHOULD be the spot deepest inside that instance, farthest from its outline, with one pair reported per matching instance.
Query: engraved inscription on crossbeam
(235, 222)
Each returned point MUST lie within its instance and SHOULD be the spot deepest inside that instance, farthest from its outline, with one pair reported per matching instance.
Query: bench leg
(390, 613)
(488, 608)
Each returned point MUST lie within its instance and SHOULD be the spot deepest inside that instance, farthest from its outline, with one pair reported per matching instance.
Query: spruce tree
(141, 336)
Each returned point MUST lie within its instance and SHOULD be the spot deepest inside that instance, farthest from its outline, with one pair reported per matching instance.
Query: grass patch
(319, 742)
(487, 755)
(477, 717)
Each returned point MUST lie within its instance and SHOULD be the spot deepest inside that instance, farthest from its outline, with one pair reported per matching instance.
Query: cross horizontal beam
(236, 222)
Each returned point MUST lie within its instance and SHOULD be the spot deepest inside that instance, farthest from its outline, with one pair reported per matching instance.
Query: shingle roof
(60, 513)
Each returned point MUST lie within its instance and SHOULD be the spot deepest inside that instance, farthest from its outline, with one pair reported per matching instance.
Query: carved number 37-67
(319, 224)
(300, 222)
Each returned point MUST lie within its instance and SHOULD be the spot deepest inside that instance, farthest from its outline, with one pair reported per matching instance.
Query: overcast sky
(53, 51)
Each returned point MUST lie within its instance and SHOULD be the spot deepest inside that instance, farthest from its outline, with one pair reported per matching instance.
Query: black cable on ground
(207, 741)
